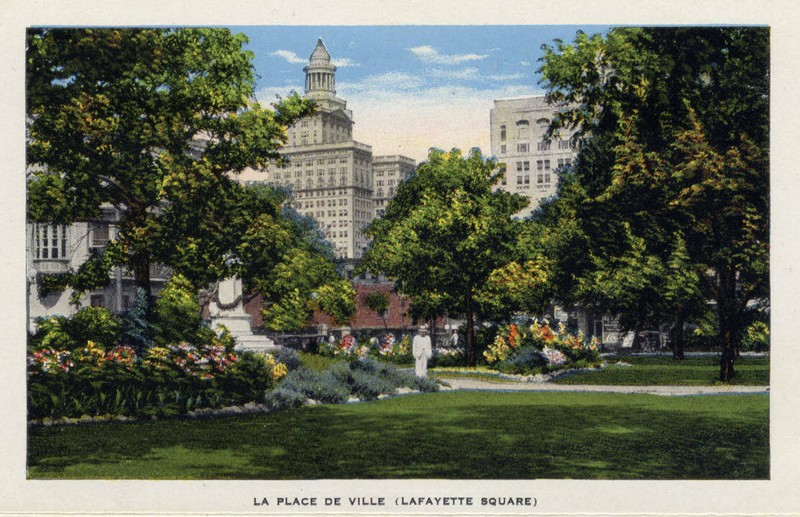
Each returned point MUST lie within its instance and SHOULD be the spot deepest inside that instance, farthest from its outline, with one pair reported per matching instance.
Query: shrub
(527, 360)
(756, 337)
(289, 357)
(285, 398)
(136, 329)
(95, 324)
(52, 333)
(367, 385)
(316, 385)
(364, 378)
(423, 384)
(177, 312)
(448, 357)
(316, 361)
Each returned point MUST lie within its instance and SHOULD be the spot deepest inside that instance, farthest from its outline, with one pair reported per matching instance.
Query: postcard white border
(779, 495)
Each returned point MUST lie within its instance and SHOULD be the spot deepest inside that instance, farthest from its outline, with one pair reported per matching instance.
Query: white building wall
(518, 127)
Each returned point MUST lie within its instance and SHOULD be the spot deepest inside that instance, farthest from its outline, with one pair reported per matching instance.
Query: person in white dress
(422, 349)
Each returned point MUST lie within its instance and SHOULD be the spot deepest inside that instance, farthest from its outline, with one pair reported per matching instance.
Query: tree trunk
(726, 314)
(141, 273)
(678, 336)
(471, 359)
(636, 346)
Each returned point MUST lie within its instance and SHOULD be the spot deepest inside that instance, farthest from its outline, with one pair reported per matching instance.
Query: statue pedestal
(228, 310)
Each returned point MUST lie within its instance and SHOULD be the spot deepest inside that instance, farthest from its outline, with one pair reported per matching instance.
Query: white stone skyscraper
(329, 174)
(532, 163)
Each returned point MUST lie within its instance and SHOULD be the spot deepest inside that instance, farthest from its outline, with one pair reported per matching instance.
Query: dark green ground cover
(493, 435)
(664, 370)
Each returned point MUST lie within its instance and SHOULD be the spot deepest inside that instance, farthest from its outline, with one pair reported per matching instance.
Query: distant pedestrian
(422, 349)
(454, 339)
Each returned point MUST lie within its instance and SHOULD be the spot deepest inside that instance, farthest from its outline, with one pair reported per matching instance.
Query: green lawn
(663, 370)
(457, 435)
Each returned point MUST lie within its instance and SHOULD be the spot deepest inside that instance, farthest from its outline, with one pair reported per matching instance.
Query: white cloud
(389, 81)
(463, 73)
(429, 54)
(344, 62)
(293, 58)
(506, 77)
(525, 63)
(289, 56)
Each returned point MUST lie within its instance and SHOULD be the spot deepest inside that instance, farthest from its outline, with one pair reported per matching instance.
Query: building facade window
(523, 148)
(100, 234)
(543, 146)
(502, 133)
(50, 241)
(523, 129)
(503, 149)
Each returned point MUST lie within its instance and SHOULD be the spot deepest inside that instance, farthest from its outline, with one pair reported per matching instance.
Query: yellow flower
(279, 371)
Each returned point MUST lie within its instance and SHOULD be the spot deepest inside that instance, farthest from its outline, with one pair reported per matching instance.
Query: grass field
(663, 370)
(456, 435)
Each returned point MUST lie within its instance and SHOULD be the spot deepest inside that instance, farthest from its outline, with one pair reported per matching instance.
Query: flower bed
(166, 380)
(387, 349)
(540, 349)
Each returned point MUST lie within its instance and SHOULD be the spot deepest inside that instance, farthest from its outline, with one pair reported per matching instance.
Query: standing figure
(422, 349)
(454, 339)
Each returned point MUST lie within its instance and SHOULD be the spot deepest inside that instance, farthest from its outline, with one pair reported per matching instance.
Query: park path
(460, 383)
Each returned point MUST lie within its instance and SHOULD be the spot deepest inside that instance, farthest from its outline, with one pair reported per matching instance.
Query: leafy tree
(444, 234)
(155, 123)
(378, 303)
(151, 122)
(673, 174)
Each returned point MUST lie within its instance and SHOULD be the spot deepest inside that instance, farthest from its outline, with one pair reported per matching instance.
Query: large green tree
(671, 184)
(446, 237)
(152, 122)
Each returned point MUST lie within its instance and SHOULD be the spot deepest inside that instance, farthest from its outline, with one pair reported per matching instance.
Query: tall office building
(329, 174)
(532, 163)
(388, 172)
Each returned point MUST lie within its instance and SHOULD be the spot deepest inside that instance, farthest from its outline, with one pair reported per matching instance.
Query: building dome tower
(320, 72)
(321, 80)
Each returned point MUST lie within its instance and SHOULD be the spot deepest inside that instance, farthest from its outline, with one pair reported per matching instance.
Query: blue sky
(411, 87)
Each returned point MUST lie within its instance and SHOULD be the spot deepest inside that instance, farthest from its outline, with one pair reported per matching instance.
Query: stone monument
(226, 308)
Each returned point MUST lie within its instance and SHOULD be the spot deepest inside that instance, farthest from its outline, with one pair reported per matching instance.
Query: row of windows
(379, 173)
(389, 192)
(327, 213)
(525, 179)
(332, 235)
(523, 127)
(323, 203)
(540, 146)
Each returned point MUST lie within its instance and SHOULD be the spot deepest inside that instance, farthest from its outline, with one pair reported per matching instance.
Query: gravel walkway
(475, 384)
